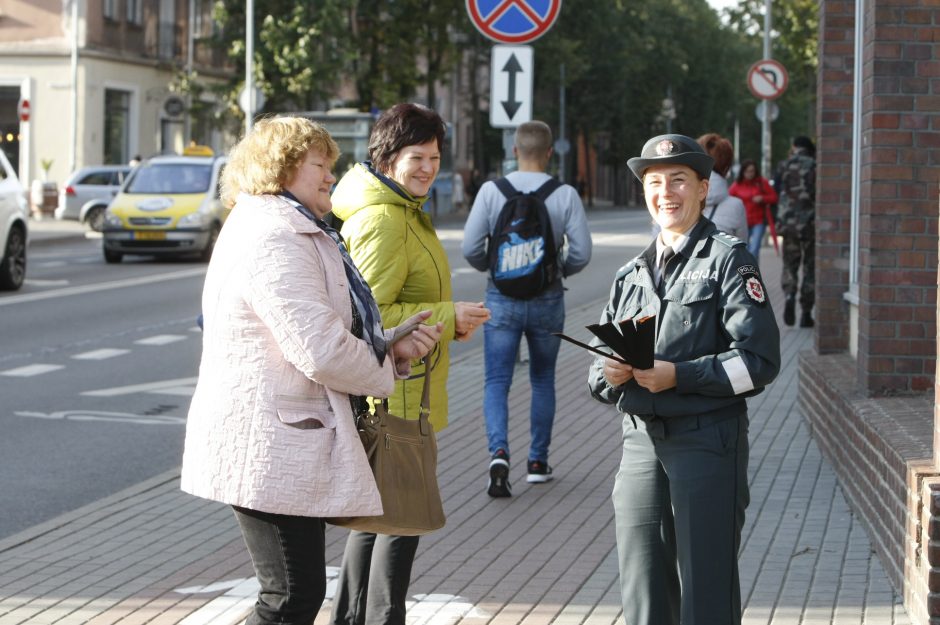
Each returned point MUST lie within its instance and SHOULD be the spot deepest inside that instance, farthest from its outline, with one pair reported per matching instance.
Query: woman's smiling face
(674, 196)
(415, 167)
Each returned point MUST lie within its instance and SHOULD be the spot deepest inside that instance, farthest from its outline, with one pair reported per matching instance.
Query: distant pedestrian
(758, 196)
(458, 195)
(724, 210)
(516, 314)
(681, 490)
(797, 225)
(271, 430)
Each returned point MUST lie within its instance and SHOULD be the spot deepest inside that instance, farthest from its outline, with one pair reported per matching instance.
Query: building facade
(97, 76)
(868, 389)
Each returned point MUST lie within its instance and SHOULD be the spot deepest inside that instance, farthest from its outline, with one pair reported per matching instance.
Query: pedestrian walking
(758, 196)
(535, 313)
(270, 430)
(797, 225)
(723, 209)
(394, 244)
(681, 491)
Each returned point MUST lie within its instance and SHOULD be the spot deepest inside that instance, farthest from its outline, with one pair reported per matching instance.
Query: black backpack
(522, 255)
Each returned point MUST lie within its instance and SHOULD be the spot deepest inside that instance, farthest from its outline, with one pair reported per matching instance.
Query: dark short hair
(401, 126)
(744, 165)
(804, 142)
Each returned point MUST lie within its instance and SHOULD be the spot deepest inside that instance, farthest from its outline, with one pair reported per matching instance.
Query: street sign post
(767, 79)
(511, 86)
(513, 21)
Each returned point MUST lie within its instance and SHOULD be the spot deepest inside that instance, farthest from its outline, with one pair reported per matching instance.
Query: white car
(14, 215)
(88, 191)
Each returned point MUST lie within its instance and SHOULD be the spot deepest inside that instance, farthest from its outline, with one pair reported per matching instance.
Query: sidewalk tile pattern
(545, 555)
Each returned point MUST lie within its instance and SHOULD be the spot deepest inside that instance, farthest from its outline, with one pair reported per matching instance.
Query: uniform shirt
(714, 322)
(565, 211)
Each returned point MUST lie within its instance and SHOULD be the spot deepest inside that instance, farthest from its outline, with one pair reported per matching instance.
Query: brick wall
(899, 199)
(834, 172)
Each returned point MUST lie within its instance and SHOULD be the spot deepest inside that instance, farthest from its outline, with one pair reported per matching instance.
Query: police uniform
(681, 490)
(797, 226)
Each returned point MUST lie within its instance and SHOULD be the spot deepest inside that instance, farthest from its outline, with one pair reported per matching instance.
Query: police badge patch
(752, 284)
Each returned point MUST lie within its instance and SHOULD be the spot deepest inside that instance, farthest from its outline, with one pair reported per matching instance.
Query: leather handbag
(403, 457)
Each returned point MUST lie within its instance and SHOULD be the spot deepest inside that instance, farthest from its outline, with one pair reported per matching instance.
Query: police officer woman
(681, 490)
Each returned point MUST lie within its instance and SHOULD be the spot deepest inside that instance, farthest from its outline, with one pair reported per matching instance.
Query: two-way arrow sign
(511, 86)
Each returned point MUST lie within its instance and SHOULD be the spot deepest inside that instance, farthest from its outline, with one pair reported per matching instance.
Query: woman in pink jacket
(758, 196)
(292, 338)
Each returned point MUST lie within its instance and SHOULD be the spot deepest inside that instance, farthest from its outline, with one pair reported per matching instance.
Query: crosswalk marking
(161, 339)
(101, 354)
(31, 370)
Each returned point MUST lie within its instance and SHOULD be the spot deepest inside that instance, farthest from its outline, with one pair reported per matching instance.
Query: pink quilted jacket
(270, 427)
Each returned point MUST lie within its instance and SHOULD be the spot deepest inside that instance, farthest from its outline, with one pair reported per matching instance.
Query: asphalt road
(98, 363)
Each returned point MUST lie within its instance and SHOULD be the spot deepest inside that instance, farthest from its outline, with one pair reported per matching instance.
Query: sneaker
(499, 475)
(539, 472)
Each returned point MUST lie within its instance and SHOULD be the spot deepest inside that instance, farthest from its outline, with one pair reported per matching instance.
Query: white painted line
(182, 391)
(101, 354)
(31, 370)
(100, 415)
(36, 282)
(160, 339)
(463, 270)
(104, 286)
(140, 388)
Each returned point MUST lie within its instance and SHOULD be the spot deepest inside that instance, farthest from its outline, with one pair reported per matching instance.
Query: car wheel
(13, 266)
(95, 218)
(210, 245)
(112, 257)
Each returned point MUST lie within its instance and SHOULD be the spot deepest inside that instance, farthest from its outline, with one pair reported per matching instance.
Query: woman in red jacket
(758, 196)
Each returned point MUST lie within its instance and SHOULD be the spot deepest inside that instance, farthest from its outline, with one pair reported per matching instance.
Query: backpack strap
(505, 187)
(547, 188)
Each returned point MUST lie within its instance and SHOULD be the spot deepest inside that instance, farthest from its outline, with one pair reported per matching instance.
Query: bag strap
(424, 411)
(505, 187)
(547, 188)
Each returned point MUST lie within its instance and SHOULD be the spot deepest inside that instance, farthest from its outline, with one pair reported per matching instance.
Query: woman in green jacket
(394, 245)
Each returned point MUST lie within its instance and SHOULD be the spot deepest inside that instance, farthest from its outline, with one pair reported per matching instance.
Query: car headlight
(112, 220)
(193, 220)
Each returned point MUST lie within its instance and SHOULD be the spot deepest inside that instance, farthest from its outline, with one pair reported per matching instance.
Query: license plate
(150, 236)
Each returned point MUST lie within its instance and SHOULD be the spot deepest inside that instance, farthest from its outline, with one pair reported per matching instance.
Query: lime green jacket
(395, 246)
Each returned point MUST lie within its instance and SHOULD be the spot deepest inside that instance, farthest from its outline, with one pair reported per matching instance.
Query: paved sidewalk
(49, 230)
(154, 555)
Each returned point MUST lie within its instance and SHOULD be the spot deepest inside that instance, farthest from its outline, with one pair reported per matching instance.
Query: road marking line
(160, 339)
(101, 354)
(31, 370)
(140, 388)
(100, 415)
(104, 286)
(38, 282)
(182, 391)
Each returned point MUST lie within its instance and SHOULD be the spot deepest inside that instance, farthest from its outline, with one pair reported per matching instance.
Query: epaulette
(727, 239)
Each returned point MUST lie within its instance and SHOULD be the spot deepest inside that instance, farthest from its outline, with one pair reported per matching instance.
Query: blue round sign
(513, 21)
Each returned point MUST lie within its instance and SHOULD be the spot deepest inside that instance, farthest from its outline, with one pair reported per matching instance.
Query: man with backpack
(528, 231)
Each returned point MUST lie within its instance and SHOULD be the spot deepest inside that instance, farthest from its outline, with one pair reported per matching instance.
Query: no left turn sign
(767, 79)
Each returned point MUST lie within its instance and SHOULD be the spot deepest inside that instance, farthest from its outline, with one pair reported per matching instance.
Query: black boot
(806, 320)
(789, 310)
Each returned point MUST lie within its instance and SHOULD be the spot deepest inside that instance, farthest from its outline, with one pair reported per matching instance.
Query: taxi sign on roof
(513, 21)
(197, 150)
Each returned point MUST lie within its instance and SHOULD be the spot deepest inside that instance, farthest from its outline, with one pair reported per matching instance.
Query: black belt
(663, 427)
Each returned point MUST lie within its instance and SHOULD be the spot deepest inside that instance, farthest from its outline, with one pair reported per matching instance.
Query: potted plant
(43, 193)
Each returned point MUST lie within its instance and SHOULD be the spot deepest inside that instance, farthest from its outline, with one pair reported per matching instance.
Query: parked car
(14, 215)
(88, 191)
(169, 206)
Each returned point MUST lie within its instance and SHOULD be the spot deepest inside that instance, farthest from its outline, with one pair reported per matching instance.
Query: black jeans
(373, 580)
(288, 556)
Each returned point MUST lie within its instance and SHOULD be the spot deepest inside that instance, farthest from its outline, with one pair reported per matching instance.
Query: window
(97, 178)
(117, 110)
(135, 11)
(109, 9)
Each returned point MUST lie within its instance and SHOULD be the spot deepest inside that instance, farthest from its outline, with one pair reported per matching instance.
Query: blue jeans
(536, 318)
(755, 238)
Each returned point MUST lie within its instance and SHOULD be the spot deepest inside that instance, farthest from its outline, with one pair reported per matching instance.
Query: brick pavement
(154, 555)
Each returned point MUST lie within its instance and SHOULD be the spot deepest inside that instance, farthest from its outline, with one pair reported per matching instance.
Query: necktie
(668, 253)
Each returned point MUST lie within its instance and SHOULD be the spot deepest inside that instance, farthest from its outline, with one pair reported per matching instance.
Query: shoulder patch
(727, 239)
(753, 286)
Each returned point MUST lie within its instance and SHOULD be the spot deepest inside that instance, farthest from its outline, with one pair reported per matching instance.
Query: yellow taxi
(168, 206)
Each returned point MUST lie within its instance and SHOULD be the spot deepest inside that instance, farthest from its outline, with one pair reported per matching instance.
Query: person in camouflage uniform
(796, 222)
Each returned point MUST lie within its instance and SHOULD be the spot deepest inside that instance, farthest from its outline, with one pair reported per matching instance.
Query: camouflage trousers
(799, 249)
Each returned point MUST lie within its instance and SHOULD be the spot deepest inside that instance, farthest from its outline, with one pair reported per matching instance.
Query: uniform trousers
(373, 580)
(679, 499)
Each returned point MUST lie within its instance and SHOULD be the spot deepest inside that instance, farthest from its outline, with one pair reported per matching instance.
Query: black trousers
(373, 580)
(288, 556)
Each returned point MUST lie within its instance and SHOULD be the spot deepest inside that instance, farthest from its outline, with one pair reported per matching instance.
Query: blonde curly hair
(270, 154)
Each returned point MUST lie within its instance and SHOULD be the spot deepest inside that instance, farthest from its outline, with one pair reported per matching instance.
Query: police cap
(672, 149)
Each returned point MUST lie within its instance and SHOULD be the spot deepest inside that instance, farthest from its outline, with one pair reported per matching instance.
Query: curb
(69, 237)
